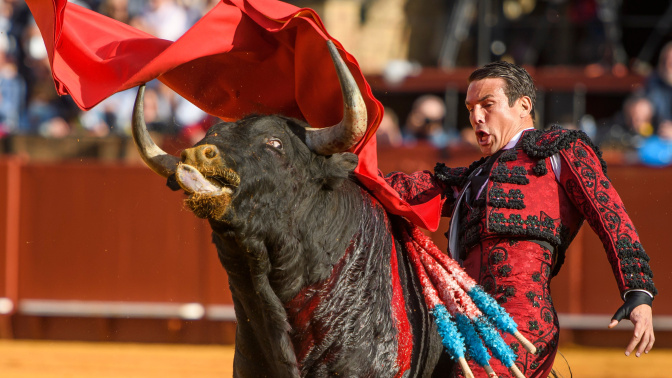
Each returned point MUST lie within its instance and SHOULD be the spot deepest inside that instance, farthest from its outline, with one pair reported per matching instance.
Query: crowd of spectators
(424, 124)
(29, 103)
(643, 128)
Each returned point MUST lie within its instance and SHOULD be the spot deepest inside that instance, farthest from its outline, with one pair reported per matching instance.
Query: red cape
(244, 56)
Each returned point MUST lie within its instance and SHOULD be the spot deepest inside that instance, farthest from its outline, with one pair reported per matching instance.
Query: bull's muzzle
(202, 170)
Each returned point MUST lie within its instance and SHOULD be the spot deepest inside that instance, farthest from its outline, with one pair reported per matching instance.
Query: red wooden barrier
(105, 251)
(10, 185)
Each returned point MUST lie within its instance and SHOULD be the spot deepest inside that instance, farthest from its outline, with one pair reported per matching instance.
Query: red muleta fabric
(243, 57)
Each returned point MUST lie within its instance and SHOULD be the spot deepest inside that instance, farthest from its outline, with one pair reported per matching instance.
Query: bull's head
(210, 172)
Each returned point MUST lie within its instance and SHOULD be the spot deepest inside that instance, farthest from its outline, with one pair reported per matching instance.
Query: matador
(515, 211)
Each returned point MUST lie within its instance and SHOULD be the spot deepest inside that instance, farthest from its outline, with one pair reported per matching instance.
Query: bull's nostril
(184, 156)
(210, 152)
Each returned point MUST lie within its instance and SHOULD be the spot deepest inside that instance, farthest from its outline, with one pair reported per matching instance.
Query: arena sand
(44, 359)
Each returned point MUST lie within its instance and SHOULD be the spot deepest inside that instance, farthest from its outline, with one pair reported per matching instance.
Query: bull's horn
(155, 158)
(351, 129)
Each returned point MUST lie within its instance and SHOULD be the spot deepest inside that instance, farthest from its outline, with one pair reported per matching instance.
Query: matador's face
(494, 121)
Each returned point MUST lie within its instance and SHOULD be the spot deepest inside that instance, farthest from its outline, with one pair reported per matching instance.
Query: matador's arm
(584, 179)
(420, 186)
(593, 194)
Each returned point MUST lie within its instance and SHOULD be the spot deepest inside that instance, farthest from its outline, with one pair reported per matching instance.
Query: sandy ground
(42, 359)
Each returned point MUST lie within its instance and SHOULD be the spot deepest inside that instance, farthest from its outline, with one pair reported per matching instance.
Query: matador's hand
(637, 308)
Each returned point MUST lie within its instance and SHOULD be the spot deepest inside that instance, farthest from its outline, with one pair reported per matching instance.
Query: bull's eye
(275, 143)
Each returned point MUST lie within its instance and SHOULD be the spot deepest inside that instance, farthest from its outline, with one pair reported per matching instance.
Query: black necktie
(477, 181)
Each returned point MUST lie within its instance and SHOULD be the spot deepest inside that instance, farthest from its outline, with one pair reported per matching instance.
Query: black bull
(307, 250)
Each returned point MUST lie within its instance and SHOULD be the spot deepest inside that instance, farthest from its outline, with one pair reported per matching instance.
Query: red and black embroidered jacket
(524, 198)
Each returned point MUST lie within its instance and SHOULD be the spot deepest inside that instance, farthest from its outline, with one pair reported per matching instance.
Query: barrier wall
(105, 251)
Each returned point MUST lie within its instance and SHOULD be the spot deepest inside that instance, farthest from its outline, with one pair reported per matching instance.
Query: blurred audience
(117, 9)
(47, 113)
(628, 128)
(164, 19)
(656, 151)
(389, 133)
(658, 86)
(12, 90)
(425, 122)
(643, 129)
(113, 115)
(29, 103)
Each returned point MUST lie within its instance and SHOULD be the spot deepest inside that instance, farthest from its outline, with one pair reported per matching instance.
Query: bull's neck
(265, 276)
(348, 314)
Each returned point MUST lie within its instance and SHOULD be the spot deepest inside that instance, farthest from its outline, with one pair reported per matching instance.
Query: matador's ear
(526, 104)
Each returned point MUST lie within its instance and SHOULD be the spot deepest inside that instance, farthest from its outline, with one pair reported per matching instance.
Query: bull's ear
(340, 166)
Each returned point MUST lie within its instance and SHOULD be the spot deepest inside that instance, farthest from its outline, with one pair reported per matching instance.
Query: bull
(309, 253)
